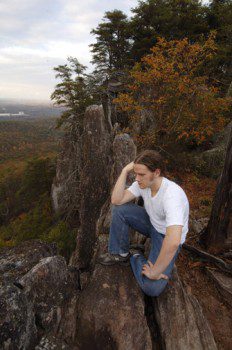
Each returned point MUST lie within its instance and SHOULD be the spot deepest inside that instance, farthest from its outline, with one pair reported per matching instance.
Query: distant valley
(15, 109)
(27, 130)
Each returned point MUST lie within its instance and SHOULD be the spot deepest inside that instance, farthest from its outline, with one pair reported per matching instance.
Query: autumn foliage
(171, 95)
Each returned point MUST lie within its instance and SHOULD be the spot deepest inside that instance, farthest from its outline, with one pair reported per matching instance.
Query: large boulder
(37, 289)
(223, 283)
(181, 320)
(210, 163)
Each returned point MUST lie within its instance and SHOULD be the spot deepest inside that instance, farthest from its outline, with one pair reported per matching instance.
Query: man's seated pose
(164, 218)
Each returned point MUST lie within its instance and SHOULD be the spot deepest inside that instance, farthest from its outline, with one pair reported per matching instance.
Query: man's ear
(157, 172)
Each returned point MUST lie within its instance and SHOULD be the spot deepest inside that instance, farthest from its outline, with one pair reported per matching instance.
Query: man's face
(144, 176)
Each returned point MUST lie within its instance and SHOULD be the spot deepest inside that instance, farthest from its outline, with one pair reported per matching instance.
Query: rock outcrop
(115, 317)
(94, 180)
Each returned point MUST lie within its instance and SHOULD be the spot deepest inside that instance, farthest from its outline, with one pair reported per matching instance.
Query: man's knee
(154, 289)
(120, 208)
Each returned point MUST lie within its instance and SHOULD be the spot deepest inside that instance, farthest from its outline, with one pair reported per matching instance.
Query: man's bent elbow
(115, 202)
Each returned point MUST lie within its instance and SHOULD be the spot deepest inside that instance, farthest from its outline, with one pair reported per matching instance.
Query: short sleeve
(134, 189)
(174, 209)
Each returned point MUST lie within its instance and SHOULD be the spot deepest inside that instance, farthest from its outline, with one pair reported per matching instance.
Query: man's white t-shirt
(169, 206)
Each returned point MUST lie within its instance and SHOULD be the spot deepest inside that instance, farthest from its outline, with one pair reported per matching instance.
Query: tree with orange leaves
(180, 102)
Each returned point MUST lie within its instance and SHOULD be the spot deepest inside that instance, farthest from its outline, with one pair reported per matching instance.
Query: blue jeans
(132, 215)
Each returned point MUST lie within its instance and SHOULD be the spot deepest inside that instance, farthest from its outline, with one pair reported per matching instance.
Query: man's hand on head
(129, 167)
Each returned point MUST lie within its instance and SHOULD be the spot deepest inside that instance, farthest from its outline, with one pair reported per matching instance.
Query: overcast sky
(37, 35)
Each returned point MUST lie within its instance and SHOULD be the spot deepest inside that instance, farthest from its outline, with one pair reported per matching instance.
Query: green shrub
(63, 236)
(36, 180)
(31, 224)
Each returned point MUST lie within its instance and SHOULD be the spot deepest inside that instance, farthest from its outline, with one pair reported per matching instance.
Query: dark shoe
(114, 259)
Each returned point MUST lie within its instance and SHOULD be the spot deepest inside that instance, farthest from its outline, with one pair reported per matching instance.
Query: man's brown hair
(152, 159)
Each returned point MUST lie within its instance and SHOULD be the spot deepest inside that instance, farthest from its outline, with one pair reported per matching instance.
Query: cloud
(37, 35)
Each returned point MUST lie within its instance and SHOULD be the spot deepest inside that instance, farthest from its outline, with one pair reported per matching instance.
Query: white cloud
(27, 88)
(37, 35)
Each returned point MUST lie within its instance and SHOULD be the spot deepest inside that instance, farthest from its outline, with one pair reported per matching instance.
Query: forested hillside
(22, 138)
(28, 154)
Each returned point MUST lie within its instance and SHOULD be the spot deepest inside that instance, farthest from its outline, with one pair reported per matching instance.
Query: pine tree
(73, 92)
(171, 19)
(111, 52)
(220, 19)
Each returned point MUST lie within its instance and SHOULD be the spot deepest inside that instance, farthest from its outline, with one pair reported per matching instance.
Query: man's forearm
(166, 254)
(119, 187)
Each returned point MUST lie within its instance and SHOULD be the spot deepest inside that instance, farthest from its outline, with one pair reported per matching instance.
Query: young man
(164, 218)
